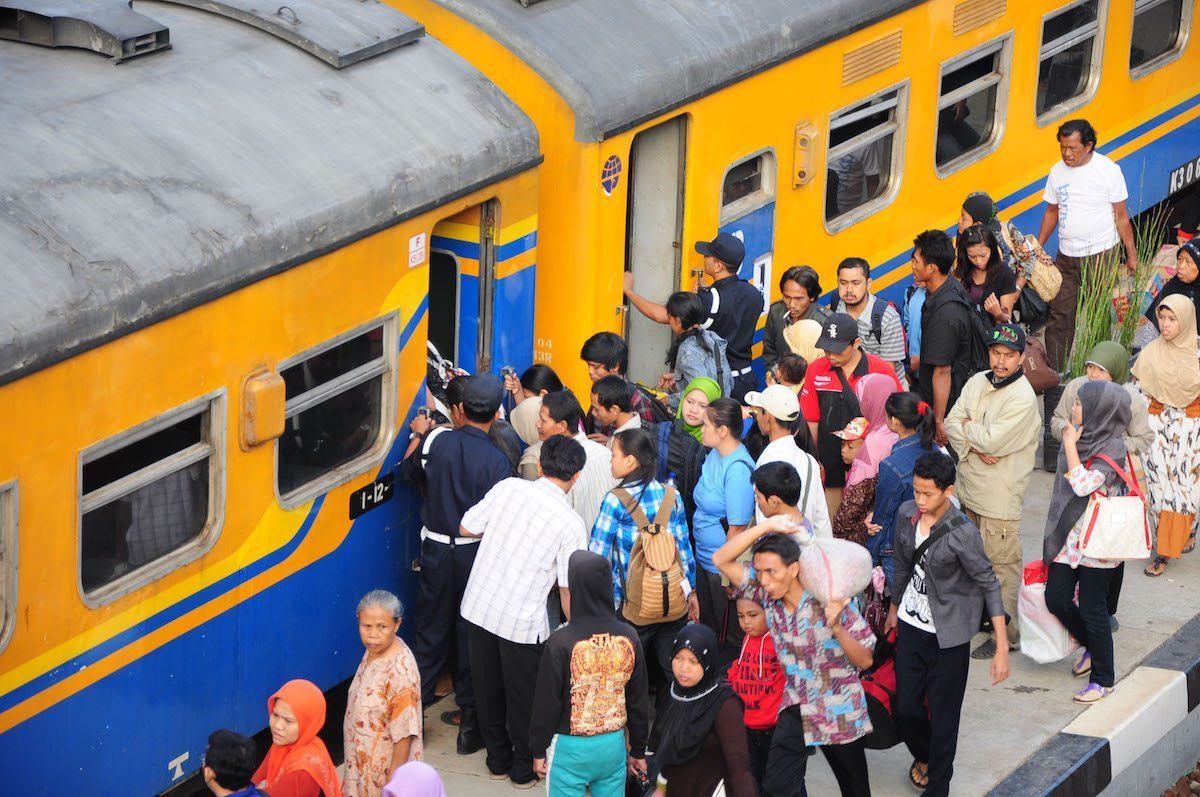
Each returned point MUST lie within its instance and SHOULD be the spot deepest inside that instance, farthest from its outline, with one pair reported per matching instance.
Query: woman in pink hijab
(415, 779)
(850, 520)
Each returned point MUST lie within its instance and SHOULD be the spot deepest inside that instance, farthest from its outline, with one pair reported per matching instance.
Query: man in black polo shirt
(733, 304)
(453, 468)
(950, 348)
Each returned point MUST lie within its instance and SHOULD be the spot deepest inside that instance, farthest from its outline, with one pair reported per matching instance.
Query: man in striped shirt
(528, 531)
(879, 323)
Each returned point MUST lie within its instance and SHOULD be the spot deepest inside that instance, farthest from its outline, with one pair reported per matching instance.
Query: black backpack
(877, 311)
(683, 455)
(658, 410)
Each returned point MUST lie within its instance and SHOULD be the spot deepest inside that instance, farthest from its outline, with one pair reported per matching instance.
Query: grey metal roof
(620, 62)
(130, 193)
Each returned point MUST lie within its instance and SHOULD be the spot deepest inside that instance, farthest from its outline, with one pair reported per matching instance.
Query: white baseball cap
(779, 400)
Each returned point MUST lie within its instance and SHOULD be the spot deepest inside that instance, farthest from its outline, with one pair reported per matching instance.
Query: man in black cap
(827, 397)
(453, 468)
(733, 305)
(994, 427)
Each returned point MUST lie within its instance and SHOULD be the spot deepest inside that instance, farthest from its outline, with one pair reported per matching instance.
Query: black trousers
(1088, 622)
(743, 385)
(440, 633)
(926, 672)
(1114, 588)
(787, 761)
(758, 744)
(505, 674)
(659, 640)
(719, 613)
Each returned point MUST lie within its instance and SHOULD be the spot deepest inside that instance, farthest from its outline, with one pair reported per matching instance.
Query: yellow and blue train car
(814, 130)
(222, 261)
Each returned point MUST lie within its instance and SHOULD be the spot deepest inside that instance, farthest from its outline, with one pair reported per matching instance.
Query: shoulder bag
(1116, 526)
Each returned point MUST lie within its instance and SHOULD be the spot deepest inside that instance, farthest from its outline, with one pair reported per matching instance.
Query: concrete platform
(1005, 725)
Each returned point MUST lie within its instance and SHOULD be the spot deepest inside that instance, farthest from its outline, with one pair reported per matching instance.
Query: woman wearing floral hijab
(1168, 372)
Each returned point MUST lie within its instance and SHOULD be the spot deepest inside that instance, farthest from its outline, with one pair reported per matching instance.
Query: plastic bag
(1043, 637)
(834, 569)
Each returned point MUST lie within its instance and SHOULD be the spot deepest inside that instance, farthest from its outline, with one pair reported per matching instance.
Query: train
(230, 235)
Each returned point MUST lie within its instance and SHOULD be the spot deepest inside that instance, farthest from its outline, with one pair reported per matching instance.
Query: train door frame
(9, 573)
(657, 155)
(751, 218)
(489, 218)
(436, 254)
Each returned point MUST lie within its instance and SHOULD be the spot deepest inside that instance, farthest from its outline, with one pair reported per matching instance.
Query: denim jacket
(893, 488)
(693, 360)
(958, 575)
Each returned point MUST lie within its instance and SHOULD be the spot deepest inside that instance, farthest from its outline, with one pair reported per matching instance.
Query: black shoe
(469, 738)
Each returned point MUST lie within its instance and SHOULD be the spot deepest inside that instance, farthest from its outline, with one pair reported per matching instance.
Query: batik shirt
(818, 676)
(383, 707)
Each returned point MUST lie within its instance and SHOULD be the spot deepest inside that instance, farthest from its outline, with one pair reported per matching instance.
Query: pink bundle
(834, 569)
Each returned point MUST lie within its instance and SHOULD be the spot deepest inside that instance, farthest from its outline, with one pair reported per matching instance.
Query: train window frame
(386, 365)
(898, 129)
(1003, 47)
(9, 572)
(1181, 41)
(1096, 32)
(760, 197)
(213, 438)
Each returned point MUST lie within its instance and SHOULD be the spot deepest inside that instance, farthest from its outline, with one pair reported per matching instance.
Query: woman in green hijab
(1109, 362)
(680, 453)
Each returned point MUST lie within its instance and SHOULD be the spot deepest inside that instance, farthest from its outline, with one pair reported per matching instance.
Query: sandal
(1092, 693)
(1157, 567)
(1083, 666)
(1191, 543)
(918, 774)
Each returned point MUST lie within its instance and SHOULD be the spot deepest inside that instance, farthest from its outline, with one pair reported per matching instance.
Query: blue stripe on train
(470, 249)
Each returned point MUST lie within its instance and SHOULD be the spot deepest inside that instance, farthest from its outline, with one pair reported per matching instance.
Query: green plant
(1105, 279)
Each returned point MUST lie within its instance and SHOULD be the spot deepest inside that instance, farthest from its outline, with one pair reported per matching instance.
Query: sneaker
(1092, 693)
(1083, 666)
(985, 651)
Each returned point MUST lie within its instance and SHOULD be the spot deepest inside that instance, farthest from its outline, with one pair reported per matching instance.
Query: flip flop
(918, 778)
(1156, 568)
(1191, 543)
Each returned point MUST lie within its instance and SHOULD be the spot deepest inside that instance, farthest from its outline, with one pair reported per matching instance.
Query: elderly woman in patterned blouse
(383, 712)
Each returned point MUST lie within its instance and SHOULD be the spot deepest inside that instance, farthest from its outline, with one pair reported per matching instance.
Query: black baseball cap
(727, 248)
(837, 332)
(1009, 335)
(483, 394)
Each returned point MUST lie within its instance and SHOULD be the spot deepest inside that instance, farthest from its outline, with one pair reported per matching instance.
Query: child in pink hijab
(415, 779)
(873, 391)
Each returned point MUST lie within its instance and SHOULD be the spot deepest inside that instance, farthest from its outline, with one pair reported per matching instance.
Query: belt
(741, 372)
(446, 539)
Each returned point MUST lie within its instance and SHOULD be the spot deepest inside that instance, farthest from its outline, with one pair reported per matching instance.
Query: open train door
(653, 238)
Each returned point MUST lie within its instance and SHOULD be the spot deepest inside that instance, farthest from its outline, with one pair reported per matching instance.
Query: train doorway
(654, 237)
(443, 302)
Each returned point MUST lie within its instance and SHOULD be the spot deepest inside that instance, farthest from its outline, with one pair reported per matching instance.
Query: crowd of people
(617, 593)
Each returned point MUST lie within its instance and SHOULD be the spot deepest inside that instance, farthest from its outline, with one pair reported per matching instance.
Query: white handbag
(1116, 527)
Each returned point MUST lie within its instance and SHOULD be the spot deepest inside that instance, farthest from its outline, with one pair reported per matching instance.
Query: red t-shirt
(757, 678)
(821, 378)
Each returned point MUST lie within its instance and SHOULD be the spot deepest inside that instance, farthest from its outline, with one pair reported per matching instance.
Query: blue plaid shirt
(614, 523)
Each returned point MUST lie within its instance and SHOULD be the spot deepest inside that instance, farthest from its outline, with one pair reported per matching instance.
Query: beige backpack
(653, 585)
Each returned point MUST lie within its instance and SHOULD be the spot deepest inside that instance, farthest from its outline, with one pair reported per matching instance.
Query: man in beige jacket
(994, 428)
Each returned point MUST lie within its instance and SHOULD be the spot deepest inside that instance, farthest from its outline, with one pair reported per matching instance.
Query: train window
(8, 561)
(1069, 62)
(337, 411)
(748, 184)
(969, 112)
(864, 157)
(1159, 28)
(150, 499)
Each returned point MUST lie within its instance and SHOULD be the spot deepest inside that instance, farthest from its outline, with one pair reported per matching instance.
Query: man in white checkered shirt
(529, 530)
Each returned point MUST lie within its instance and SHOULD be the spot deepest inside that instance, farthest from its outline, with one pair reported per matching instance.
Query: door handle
(622, 308)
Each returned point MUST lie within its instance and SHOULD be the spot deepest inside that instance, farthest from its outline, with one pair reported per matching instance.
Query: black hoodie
(592, 679)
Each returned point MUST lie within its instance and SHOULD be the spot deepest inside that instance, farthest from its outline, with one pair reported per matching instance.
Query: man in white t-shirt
(1085, 199)
(776, 411)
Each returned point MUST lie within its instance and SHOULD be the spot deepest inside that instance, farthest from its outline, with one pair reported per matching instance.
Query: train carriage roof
(618, 63)
(133, 191)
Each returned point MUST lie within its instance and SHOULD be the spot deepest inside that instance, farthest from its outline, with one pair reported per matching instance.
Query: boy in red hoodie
(757, 679)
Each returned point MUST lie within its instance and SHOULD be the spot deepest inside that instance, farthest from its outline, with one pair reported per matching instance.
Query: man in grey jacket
(943, 580)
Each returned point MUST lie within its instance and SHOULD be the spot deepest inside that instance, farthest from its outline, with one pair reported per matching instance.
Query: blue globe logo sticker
(611, 175)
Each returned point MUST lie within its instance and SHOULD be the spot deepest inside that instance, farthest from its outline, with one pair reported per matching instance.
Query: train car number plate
(371, 496)
(1184, 176)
